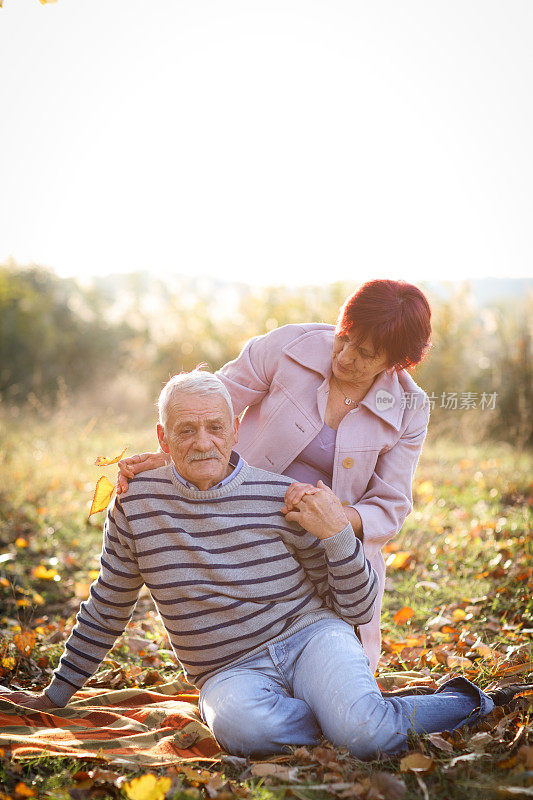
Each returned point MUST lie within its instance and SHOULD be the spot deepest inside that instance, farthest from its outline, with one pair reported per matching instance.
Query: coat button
(345, 503)
(347, 463)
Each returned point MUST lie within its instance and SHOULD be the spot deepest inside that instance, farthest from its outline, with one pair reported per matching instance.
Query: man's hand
(129, 467)
(38, 702)
(320, 512)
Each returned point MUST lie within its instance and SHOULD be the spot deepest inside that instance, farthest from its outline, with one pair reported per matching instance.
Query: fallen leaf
(102, 495)
(43, 574)
(277, 770)
(24, 791)
(197, 775)
(403, 615)
(147, 787)
(438, 622)
(384, 786)
(400, 560)
(24, 641)
(480, 740)
(101, 461)
(20, 542)
(417, 762)
(461, 662)
(437, 740)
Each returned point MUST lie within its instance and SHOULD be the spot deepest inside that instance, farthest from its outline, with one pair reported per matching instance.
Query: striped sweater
(227, 573)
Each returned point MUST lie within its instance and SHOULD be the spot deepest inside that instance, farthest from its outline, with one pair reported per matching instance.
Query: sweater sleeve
(103, 617)
(342, 575)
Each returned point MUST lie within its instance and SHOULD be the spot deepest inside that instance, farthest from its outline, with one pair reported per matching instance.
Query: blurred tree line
(54, 332)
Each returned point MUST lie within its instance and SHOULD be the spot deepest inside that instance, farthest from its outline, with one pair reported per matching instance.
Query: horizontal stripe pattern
(226, 570)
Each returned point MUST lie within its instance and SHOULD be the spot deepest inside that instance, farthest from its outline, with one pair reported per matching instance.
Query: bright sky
(268, 140)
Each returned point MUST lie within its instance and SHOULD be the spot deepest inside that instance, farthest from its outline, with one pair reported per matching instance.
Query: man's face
(200, 435)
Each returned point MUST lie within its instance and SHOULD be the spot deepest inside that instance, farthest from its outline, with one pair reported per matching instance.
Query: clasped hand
(316, 508)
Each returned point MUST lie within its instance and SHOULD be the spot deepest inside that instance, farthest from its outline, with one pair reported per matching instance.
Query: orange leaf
(102, 461)
(458, 661)
(24, 641)
(20, 542)
(102, 495)
(403, 615)
(24, 791)
(400, 560)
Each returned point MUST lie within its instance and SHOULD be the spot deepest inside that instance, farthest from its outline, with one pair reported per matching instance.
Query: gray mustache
(205, 456)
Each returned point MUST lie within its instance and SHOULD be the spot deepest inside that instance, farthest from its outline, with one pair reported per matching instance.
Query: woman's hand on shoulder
(129, 467)
(294, 494)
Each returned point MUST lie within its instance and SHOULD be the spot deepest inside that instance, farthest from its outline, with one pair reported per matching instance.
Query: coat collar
(384, 399)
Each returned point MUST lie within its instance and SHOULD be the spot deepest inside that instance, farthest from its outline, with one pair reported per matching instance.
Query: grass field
(458, 601)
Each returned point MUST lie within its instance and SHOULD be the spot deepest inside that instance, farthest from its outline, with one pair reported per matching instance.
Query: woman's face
(356, 363)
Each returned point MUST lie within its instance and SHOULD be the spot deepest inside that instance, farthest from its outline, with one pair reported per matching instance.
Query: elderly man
(259, 606)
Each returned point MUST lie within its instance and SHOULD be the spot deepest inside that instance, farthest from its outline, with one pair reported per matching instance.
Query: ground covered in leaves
(458, 601)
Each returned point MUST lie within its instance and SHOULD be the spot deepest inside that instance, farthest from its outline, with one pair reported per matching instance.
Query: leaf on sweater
(102, 461)
(102, 495)
(147, 787)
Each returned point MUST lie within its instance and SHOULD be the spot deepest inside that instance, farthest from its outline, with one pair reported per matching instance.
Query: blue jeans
(318, 681)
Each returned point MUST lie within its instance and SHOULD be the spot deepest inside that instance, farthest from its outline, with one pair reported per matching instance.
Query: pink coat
(281, 378)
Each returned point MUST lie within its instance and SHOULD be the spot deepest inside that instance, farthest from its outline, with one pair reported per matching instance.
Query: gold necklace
(347, 400)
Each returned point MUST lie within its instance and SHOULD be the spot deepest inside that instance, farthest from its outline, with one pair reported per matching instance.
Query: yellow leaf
(20, 542)
(102, 495)
(44, 574)
(426, 488)
(416, 762)
(400, 560)
(403, 615)
(147, 787)
(102, 461)
(23, 602)
(8, 662)
(93, 574)
(44, 2)
(458, 614)
(38, 599)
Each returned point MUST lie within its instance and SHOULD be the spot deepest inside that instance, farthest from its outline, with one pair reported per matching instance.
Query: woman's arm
(388, 497)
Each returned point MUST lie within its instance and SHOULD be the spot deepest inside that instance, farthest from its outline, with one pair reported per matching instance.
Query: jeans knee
(363, 729)
(241, 726)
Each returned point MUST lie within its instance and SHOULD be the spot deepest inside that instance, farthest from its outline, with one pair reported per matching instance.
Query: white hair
(196, 382)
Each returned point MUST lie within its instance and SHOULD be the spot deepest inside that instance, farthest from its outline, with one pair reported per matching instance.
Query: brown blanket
(129, 726)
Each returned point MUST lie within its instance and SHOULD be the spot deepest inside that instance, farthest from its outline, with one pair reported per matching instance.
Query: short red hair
(394, 315)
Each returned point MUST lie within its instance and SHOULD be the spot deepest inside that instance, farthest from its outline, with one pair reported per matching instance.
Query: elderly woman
(336, 404)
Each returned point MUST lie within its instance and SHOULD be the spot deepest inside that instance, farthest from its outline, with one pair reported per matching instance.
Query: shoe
(409, 691)
(506, 694)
